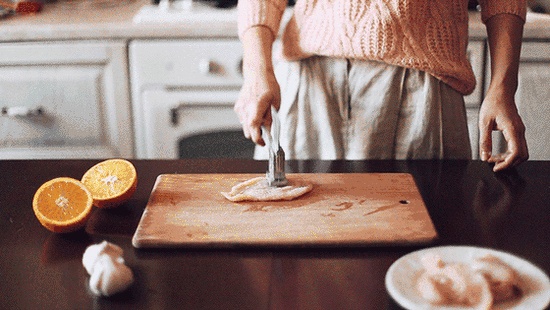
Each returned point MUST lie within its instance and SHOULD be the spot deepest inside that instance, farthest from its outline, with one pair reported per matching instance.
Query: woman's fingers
(252, 115)
(516, 152)
(260, 91)
(485, 141)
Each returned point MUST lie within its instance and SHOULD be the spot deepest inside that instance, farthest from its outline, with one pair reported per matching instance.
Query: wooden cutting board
(346, 209)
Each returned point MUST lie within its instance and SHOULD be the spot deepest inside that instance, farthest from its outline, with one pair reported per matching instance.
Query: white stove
(184, 90)
(182, 11)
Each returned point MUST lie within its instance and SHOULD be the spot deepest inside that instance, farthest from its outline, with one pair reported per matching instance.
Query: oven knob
(208, 66)
(240, 67)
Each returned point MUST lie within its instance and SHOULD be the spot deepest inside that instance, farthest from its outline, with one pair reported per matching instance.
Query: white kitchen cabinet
(476, 55)
(532, 98)
(65, 100)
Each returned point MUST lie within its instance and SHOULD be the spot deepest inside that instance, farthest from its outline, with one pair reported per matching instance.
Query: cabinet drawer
(186, 63)
(64, 100)
(49, 106)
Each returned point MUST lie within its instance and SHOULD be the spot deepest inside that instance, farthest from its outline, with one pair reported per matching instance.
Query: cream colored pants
(349, 109)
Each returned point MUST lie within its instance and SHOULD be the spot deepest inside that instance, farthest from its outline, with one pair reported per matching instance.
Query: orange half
(62, 204)
(111, 182)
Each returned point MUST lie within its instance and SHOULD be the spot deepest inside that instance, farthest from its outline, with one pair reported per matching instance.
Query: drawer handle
(22, 111)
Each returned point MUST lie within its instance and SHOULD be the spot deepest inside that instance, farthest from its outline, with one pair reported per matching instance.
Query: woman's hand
(499, 112)
(260, 89)
(259, 92)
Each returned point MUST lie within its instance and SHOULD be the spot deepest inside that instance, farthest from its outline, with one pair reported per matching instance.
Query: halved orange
(111, 182)
(62, 204)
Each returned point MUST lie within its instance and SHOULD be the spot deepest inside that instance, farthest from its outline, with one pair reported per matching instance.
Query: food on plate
(62, 204)
(108, 272)
(257, 189)
(111, 182)
(444, 284)
(479, 284)
(503, 280)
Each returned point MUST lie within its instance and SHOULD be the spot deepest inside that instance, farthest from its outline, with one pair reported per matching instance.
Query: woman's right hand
(259, 92)
(260, 89)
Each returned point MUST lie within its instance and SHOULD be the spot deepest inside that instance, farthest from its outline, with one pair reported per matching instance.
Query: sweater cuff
(490, 8)
(260, 13)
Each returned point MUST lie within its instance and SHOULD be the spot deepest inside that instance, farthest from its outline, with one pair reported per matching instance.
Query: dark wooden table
(469, 205)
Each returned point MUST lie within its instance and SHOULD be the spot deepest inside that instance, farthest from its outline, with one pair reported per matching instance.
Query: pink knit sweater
(429, 35)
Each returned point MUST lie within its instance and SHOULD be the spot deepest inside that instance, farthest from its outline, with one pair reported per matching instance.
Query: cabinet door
(533, 97)
(64, 100)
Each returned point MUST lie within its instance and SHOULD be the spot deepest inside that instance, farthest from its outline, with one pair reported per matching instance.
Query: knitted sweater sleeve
(490, 8)
(266, 13)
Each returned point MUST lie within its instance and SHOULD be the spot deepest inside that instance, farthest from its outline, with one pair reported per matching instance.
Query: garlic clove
(110, 276)
(93, 252)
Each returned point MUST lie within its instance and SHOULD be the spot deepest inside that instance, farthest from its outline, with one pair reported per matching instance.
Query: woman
(379, 79)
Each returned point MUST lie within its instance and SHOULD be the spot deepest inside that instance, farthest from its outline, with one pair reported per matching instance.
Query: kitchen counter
(468, 203)
(64, 21)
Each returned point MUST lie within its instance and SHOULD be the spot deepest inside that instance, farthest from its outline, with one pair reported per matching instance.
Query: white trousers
(350, 109)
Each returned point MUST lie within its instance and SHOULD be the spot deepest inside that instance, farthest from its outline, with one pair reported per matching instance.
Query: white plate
(402, 274)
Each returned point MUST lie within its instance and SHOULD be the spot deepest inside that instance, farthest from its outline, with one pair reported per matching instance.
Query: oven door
(192, 124)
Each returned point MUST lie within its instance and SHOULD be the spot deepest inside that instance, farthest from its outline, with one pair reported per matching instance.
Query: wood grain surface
(343, 209)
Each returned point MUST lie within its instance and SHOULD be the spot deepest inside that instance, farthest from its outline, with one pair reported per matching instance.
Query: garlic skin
(93, 252)
(108, 272)
(110, 276)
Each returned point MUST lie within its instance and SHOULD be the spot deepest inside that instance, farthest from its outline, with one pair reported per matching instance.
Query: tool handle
(276, 128)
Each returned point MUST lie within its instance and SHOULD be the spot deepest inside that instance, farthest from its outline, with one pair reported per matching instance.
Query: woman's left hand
(499, 112)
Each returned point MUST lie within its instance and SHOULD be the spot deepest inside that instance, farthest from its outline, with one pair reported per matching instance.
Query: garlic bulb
(93, 252)
(110, 276)
(105, 265)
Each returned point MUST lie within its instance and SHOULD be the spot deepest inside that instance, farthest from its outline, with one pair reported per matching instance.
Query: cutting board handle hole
(404, 202)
